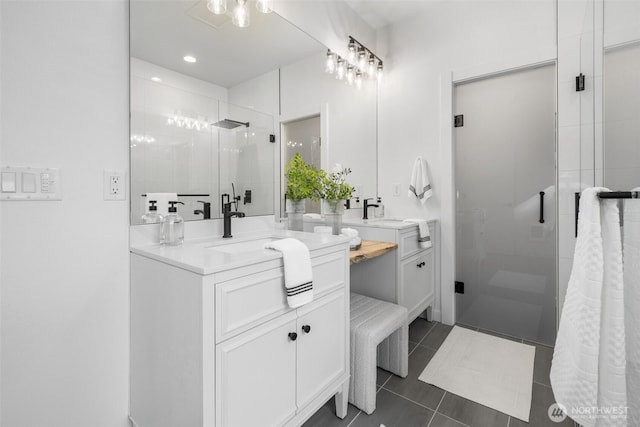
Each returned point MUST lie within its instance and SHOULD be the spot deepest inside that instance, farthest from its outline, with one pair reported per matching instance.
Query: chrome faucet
(227, 214)
(366, 207)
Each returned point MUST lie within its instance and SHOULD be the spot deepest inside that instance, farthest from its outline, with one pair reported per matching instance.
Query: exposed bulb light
(241, 16)
(362, 58)
(264, 6)
(218, 7)
(379, 73)
(156, 79)
(352, 50)
(331, 62)
(359, 80)
(372, 66)
(351, 75)
(190, 59)
(340, 69)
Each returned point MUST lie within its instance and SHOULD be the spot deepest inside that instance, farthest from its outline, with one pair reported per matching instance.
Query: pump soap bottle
(172, 230)
(152, 216)
(379, 211)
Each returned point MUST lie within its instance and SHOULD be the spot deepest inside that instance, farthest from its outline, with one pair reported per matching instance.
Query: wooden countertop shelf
(371, 249)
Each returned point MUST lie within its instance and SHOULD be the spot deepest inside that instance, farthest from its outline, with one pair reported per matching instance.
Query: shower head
(230, 124)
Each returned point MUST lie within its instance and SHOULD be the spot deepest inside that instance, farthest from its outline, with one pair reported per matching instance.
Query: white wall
(64, 265)
(452, 41)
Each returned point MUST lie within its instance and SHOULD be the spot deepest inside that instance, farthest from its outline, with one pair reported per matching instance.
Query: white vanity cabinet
(225, 349)
(405, 276)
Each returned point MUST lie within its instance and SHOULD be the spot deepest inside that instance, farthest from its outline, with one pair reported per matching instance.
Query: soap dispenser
(152, 216)
(378, 212)
(172, 230)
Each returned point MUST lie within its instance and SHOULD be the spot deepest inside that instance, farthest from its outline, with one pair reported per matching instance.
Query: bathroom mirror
(175, 146)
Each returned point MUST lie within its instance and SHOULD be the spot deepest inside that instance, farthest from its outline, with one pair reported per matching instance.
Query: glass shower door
(506, 203)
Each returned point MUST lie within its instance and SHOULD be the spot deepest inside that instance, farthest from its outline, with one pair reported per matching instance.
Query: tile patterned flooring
(410, 402)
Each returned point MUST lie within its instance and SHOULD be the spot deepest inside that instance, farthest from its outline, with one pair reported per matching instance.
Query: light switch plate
(30, 183)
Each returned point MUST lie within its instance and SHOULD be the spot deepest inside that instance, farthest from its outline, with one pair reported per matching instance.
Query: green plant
(334, 185)
(302, 179)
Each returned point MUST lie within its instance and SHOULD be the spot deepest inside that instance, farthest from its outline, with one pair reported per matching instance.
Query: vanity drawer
(408, 244)
(244, 302)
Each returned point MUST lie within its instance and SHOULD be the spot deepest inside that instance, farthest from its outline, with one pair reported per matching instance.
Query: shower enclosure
(505, 179)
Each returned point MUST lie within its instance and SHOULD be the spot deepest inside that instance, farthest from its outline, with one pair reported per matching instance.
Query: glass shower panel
(247, 160)
(506, 203)
(622, 117)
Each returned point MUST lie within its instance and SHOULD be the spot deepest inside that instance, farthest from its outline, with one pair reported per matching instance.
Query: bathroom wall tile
(568, 104)
(394, 410)
(569, 182)
(569, 148)
(470, 413)
(587, 155)
(564, 272)
(574, 17)
(568, 59)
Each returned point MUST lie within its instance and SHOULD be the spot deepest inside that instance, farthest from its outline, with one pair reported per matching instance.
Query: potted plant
(334, 191)
(302, 183)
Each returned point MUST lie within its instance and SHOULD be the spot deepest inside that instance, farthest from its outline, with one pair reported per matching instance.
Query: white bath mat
(488, 370)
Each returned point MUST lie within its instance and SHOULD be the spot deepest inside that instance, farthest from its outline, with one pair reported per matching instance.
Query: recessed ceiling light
(156, 79)
(190, 59)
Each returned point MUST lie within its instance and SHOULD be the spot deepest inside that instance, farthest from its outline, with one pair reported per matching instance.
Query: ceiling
(163, 32)
(380, 13)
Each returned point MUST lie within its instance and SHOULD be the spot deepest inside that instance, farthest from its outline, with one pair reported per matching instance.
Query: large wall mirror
(188, 137)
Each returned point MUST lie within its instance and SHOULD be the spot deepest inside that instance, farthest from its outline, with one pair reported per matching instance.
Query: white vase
(295, 210)
(333, 211)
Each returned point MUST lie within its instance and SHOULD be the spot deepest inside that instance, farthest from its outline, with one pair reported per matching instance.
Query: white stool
(378, 328)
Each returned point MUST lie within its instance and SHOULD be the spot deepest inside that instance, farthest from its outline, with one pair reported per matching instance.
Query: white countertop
(397, 224)
(208, 255)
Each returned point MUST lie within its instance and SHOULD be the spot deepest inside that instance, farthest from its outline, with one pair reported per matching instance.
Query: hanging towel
(424, 237)
(298, 277)
(588, 367)
(419, 186)
(162, 200)
(631, 239)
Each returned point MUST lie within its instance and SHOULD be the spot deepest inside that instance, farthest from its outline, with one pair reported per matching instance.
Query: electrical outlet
(396, 190)
(357, 190)
(114, 185)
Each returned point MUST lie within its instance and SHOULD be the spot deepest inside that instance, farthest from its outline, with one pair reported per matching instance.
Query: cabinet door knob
(421, 264)
(306, 328)
(293, 336)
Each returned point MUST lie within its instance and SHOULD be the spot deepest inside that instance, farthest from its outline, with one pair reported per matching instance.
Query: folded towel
(349, 232)
(298, 276)
(588, 367)
(162, 200)
(424, 237)
(419, 185)
(631, 242)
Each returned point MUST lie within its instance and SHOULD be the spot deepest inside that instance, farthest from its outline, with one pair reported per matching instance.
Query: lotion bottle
(152, 216)
(172, 230)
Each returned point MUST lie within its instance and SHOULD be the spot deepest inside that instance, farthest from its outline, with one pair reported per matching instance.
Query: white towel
(162, 200)
(424, 237)
(631, 239)
(419, 186)
(298, 276)
(588, 367)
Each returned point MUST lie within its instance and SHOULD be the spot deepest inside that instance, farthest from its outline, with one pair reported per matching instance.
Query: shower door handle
(542, 207)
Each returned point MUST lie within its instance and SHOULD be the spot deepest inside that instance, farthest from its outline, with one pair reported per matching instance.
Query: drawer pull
(293, 336)
(422, 264)
(306, 328)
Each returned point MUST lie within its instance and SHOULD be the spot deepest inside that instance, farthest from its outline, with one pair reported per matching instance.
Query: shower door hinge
(458, 121)
(272, 138)
(580, 83)
(459, 287)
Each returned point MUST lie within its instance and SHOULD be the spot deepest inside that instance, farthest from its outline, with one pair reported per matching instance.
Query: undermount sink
(242, 246)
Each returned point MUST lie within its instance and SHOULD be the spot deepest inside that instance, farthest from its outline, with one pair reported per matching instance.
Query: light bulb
(372, 66)
(340, 69)
(241, 14)
(331, 62)
(359, 80)
(379, 73)
(362, 58)
(264, 6)
(219, 7)
(352, 51)
(351, 75)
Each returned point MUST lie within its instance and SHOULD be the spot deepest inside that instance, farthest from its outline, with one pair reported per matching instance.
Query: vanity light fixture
(264, 6)
(241, 17)
(218, 7)
(361, 62)
(190, 59)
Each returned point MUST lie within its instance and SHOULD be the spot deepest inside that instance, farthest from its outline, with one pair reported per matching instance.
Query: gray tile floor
(410, 402)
